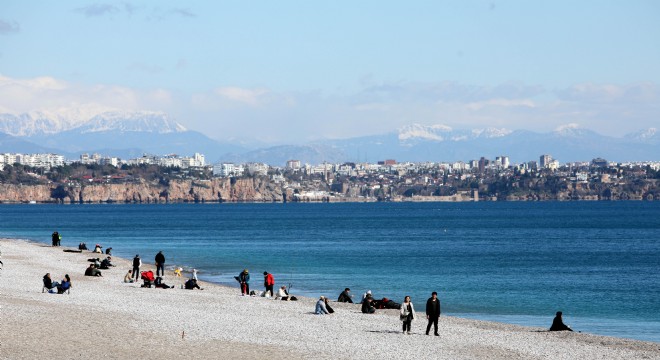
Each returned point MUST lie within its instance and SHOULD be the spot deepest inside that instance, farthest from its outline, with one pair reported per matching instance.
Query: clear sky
(292, 71)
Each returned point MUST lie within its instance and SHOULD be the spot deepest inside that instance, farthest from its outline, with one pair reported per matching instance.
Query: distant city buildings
(43, 161)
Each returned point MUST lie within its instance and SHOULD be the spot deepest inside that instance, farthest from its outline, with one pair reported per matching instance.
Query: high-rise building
(544, 161)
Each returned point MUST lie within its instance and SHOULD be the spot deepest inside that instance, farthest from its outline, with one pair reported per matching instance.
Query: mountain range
(131, 134)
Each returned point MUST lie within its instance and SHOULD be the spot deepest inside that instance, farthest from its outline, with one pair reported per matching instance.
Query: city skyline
(295, 72)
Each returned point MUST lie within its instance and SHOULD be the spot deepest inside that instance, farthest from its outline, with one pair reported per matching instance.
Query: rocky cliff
(216, 190)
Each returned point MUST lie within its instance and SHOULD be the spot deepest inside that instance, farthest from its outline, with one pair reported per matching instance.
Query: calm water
(598, 262)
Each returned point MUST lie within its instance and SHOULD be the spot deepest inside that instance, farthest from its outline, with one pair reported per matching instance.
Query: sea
(512, 262)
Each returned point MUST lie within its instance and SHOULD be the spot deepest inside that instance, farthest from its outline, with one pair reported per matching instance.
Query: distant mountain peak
(423, 132)
(145, 121)
(491, 132)
(87, 120)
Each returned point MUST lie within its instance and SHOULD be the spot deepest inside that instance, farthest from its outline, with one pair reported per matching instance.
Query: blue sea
(514, 262)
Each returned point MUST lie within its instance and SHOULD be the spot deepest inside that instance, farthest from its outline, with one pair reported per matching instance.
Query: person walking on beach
(56, 238)
(558, 323)
(407, 314)
(244, 280)
(137, 263)
(194, 274)
(433, 313)
(160, 264)
(269, 281)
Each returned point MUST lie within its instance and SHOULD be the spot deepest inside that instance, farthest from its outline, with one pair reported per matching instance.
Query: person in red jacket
(269, 281)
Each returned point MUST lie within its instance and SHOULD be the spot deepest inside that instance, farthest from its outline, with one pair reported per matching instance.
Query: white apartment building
(228, 169)
(258, 169)
(293, 165)
(45, 161)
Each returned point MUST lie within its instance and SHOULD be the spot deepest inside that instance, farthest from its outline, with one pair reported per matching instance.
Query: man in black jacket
(160, 264)
(433, 312)
(345, 296)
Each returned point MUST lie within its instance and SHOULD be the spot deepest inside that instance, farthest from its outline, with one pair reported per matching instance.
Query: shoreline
(219, 319)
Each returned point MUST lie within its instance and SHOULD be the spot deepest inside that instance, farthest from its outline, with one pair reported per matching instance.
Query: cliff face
(216, 190)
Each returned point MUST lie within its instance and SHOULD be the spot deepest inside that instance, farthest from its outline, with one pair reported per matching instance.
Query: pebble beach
(104, 317)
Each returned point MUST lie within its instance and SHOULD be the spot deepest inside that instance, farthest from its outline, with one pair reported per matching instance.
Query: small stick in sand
(183, 334)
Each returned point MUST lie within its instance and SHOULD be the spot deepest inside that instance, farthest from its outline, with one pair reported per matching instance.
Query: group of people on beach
(406, 309)
(57, 287)
(368, 304)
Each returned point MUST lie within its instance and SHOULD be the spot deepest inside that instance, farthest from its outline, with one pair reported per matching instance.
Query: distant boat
(32, 202)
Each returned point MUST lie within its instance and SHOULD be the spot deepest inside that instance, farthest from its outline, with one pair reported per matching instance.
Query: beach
(104, 317)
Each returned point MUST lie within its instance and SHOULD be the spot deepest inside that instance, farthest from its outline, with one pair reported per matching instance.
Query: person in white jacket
(407, 314)
(320, 307)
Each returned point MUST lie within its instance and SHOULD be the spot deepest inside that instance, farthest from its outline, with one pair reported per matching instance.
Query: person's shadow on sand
(385, 331)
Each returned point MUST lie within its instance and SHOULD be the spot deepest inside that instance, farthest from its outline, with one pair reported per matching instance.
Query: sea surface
(514, 262)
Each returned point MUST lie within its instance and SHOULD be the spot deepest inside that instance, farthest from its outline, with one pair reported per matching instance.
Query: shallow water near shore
(510, 262)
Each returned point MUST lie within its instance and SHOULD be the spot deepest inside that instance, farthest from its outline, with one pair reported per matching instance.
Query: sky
(279, 72)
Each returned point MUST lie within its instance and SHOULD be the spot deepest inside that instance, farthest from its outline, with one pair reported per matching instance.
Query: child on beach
(128, 278)
(177, 272)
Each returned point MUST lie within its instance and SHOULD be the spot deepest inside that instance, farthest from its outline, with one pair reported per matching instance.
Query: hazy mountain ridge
(130, 134)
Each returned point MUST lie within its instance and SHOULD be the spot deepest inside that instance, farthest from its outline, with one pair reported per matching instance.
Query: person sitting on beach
(96, 262)
(192, 284)
(367, 307)
(320, 307)
(327, 306)
(48, 282)
(558, 323)
(108, 251)
(97, 249)
(284, 295)
(92, 271)
(65, 285)
(128, 278)
(345, 296)
(160, 284)
(364, 296)
(106, 263)
(82, 246)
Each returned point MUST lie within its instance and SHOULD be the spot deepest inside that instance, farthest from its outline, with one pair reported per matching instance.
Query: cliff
(216, 190)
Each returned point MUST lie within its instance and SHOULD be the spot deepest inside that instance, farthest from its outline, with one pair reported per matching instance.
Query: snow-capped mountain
(411, 134)
(649, 136)
(38, 123)
(143, 121)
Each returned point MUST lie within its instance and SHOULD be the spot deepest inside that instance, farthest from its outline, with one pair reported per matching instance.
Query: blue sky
(292, 71)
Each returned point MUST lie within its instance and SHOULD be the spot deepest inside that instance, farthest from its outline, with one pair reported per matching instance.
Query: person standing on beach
(269, 281)
(244, 280)
(160, 264)
(407, 314)
(137, 262)
(433, 313)
(56, 238)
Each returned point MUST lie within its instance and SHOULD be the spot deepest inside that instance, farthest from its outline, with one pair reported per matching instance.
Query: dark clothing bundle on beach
(386, 303)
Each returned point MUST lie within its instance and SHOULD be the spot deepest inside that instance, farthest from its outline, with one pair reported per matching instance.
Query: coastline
(105, 317)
